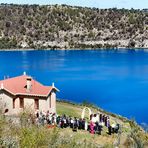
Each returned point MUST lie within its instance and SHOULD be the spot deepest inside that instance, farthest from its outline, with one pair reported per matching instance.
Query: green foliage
(87, 103)
(6, 43)
(53, 23)
(32, 136)
(108, 46)
(131, 44)
(26, 117)
(108, 146)
(42, 137)
(132, 19)
(136, 135)
(67, 111)
(89, 46)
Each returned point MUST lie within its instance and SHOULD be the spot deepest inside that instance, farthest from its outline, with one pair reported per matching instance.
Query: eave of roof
(25, 94)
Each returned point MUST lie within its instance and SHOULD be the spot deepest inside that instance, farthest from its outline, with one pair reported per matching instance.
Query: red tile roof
(17, 86)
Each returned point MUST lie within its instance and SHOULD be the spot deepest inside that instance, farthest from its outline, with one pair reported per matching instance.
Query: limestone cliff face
(61, 26)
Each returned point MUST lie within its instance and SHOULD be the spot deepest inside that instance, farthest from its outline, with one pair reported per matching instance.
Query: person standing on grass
(71, 123)
(83, 124)
(109, 130)
(75, 125)
(58, 121)
(91, 127)
(108, 121)
(80, 124)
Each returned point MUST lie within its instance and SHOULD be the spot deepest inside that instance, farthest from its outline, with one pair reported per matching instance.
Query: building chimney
(28, 84)
(2, 86)
(53, 85)
(24, 73)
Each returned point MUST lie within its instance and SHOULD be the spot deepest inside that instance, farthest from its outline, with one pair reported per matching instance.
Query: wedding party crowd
(94, 125)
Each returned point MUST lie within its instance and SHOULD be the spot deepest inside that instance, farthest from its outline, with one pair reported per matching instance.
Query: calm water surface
(114, 80)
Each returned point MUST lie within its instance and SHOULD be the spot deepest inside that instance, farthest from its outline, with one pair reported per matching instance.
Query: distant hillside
(62, 26)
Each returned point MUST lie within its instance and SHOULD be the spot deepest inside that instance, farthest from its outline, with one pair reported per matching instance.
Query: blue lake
(116, 81)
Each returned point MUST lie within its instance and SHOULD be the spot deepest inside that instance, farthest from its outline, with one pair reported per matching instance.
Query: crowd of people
(94, 125)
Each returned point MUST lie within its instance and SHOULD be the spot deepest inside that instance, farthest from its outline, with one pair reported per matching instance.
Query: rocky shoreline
(75, 49)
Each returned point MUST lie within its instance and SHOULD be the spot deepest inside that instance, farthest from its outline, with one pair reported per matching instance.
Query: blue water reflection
(114, 80)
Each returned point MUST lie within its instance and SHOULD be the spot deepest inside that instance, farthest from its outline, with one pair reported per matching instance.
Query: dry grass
(30, 136)
(127, 127)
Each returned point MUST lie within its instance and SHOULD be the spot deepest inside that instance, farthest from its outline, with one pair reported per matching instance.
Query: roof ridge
(13, 77)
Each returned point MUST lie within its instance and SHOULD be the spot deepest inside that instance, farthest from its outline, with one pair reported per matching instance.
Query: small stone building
(23, 91)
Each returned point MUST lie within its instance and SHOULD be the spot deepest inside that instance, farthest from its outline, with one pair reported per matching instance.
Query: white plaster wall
(53, 102)
(43, 105)
(7, 103)
(29, 103)
(17, 106)
(48, 104)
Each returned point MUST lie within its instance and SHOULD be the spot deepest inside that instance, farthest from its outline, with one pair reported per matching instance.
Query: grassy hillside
(62, 26)
(129, 128)
(31, 136)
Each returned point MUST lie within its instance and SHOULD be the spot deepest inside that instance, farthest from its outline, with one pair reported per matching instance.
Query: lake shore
(66, 49)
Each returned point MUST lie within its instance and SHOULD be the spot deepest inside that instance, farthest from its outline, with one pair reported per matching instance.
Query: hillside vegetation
(26, 134)
(130, 135)
(62, 26)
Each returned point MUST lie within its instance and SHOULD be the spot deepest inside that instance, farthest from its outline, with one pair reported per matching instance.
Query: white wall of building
(53, 102)
(29, 103)
(44, 104)
(7, 103)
